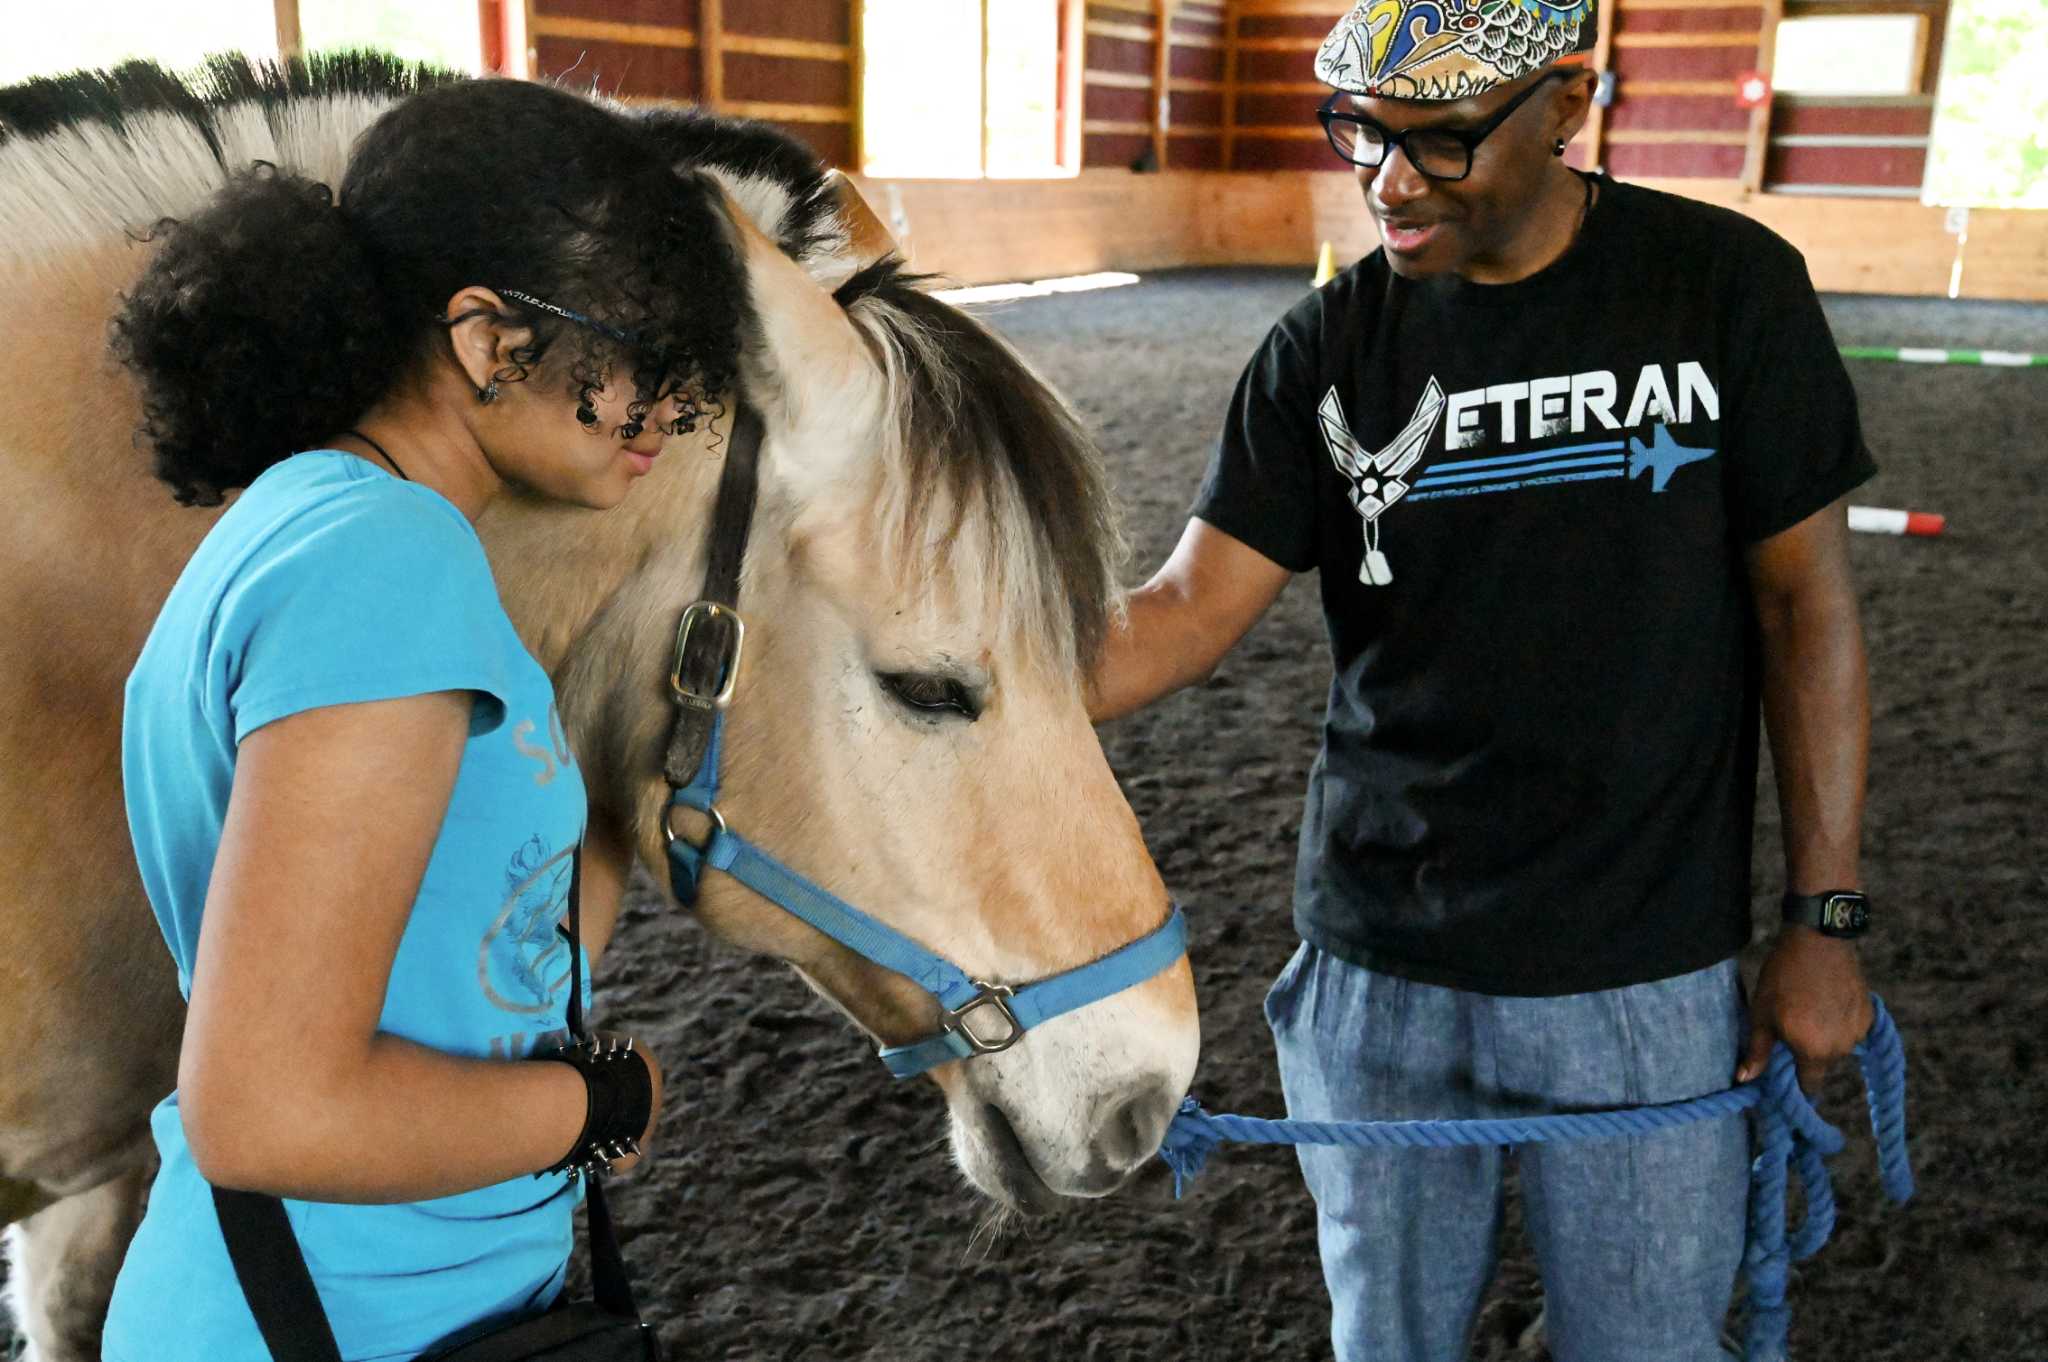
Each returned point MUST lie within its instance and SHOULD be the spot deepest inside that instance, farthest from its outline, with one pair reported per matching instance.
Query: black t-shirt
(1528, 504)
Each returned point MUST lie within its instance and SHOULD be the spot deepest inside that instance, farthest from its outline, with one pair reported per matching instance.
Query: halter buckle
(696, 614)
(995, 996)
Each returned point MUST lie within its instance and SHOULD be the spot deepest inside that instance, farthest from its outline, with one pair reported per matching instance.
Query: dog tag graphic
(1377, 480)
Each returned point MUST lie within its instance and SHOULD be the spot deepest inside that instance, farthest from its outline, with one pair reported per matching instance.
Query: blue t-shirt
(330, 582)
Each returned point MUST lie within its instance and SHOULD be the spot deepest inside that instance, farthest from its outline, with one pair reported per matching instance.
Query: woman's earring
(488, 393)
(1560, 147)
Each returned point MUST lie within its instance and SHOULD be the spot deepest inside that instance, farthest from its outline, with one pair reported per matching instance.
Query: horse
(931, 522)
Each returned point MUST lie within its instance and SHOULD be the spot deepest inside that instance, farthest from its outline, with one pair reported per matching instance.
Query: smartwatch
(1839, 912)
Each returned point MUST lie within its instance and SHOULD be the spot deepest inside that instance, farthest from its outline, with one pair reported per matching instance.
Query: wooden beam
(1629, 89)
(982, 85)
(1230, 19)
(1111, 125)
(1130, 33)
(1731, 38)
(1333, 8)
(1282, 87)
(1923, 79)
(1757, 141)
(1127, 6)
(1603, 55)
(526, 37)
(1073, 81)
(1636, 6)
(1190, 84)
(290, 40)
(1287, 131)
(755, 46)
(789, 113)
(711, 53)
(1278, 44)
(857, 61)
(1162, 65)
(1118, 80)
(1675, 137)
(609, 31)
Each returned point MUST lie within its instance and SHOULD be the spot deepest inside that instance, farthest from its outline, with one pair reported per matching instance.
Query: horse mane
(982, 441)
(92, 154)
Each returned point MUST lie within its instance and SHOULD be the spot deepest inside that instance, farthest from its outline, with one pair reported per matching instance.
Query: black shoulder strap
(272, 1269)
(273, 1275)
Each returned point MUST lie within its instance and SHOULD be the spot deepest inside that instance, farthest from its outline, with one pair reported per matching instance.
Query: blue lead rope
(1791, 1134)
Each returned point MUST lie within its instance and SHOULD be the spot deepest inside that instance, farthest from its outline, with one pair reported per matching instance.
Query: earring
(488, 393)
(1560, 147)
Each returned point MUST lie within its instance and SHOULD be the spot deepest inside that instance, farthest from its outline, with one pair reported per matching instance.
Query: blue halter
(1006, 1012)
(978, 1017)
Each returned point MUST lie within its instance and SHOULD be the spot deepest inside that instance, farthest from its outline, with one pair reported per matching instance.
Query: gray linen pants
(1638, 1239)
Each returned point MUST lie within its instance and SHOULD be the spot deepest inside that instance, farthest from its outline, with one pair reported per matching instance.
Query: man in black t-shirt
(1567, 456)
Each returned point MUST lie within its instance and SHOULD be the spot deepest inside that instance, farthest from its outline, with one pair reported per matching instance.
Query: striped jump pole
(1879, 520)
(1908, 354)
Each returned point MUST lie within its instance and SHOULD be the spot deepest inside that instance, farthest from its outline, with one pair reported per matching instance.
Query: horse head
(930, 570)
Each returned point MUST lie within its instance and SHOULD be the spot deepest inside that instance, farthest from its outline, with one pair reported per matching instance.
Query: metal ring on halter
(718, 830)
(996, 996)
(728, 673)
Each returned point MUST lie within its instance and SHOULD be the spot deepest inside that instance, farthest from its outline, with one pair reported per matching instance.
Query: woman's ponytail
(258, 329)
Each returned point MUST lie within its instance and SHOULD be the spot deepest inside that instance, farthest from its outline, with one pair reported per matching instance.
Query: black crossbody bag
(272, 1270)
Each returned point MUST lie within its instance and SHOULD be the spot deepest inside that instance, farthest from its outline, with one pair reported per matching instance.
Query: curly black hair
(279, 313)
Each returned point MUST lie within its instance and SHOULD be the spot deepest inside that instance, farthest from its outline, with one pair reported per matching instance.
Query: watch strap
(1839, 912)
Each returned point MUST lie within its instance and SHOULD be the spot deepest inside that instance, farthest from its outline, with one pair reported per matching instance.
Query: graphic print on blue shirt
(1567, 405)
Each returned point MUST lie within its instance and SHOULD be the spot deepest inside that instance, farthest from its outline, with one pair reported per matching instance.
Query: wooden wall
(1148, 99)
(1872, 146)
(983, 232)
(792, 63)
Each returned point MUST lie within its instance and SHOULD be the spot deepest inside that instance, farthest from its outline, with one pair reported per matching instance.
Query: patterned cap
(1449, 49)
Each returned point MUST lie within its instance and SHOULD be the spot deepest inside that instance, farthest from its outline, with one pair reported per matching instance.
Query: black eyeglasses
(1439, 153)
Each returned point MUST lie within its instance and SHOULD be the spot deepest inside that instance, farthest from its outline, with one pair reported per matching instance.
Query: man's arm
(1178, 626)
(1811, 992)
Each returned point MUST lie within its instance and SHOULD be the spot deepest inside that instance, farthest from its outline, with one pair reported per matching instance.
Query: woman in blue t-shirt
(357, 867)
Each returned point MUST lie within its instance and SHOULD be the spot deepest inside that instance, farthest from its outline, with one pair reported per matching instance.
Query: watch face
(1845, 914)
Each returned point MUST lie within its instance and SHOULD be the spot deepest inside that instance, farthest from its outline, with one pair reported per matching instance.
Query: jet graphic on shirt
(1662, 457)
(1377, 480)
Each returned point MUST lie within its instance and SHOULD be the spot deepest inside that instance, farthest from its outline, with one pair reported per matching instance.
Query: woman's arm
(285, 1084)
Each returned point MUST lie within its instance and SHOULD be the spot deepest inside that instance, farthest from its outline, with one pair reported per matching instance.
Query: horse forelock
(983, 457)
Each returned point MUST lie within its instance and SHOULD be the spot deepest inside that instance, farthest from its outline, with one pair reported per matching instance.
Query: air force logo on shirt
(1568, 405)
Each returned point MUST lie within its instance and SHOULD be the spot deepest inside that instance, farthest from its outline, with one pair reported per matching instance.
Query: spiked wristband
(620, 1092)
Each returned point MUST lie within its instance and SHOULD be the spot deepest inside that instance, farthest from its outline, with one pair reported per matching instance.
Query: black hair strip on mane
(742, 146)
(990, 420)
(48, 104)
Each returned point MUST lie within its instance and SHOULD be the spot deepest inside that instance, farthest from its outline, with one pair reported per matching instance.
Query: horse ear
(866, 235)
(806, 363)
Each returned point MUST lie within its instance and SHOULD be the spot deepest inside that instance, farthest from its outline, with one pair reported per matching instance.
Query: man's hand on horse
(1811, 995)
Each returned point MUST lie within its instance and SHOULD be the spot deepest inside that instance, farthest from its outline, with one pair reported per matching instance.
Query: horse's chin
(994, 1160)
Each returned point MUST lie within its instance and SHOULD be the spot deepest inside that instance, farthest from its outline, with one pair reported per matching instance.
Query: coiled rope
(1791, 1136)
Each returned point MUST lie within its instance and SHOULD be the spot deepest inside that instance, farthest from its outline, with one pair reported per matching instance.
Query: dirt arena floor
(803, 1206)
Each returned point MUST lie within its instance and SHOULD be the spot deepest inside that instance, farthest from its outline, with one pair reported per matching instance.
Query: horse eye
(930, 694)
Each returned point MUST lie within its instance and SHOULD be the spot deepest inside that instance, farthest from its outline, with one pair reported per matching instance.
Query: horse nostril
(1136, 1125)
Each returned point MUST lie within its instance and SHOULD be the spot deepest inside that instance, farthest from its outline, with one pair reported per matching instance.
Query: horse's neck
(595, 595)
